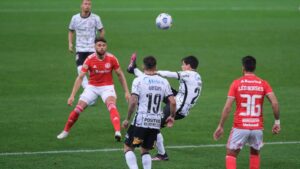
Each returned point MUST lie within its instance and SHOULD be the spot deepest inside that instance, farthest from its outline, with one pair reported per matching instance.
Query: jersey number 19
(153, 102)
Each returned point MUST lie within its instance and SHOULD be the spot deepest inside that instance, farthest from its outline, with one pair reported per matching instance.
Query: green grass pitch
(37, 74)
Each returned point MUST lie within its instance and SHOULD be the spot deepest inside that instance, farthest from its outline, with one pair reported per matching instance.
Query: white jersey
(150, 91)
(190, 86)
(189, 91)
(86, 29)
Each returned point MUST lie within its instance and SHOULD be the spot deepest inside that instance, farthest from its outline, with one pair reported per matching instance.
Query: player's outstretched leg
(114, 117)
(161, 154)
(71, 120)
(132, 64)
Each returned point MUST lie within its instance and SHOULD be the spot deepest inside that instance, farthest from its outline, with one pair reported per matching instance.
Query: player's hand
(218, 133)
(125, 124)
(276, 129)
(70, 101)
(71, 48)
(127, 96)
(170, 121)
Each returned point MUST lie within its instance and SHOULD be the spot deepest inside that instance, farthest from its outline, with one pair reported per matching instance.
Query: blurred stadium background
(37, 73)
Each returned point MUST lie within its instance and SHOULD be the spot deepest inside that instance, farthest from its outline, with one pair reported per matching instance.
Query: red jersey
(100, 70)
(249, 92)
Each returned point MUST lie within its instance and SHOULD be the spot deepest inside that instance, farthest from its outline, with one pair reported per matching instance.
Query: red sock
(254, 162)
(230, 162)
(73, 118)
(114, 116)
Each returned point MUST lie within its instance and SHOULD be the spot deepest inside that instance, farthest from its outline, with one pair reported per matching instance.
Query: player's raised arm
(168, 74)
(123, 82)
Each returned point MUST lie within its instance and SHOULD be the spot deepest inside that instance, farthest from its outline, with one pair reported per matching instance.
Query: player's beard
(101, 53)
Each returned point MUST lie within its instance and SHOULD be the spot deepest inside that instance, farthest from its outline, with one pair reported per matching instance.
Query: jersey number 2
(251, 109)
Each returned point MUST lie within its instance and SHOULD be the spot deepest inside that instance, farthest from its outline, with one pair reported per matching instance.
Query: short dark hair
(249, 63)
(192, 61)
(149, 62)
(98, 39)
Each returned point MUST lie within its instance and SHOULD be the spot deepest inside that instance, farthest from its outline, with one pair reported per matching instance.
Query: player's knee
(127, 149)
(233, 153)
(111, 105)
(254, 151)
(144, 151)
(78, 109)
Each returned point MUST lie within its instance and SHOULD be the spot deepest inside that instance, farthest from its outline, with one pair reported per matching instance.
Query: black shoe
(132, 64)
(118, 136)
(160, 157)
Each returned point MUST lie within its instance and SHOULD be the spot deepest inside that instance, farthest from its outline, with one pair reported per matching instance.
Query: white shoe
(63, 135)
(118, 136)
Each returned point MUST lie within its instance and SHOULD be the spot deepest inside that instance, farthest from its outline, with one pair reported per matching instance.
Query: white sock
(137, 72)
(85, 81)
(147, 161)
(160, 144)
(131, 160)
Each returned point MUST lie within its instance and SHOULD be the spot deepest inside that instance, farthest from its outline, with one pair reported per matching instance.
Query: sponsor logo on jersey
(250, 81)
(107, 65)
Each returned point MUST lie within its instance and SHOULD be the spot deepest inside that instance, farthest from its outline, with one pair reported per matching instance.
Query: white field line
(142, 9)
(119, 149)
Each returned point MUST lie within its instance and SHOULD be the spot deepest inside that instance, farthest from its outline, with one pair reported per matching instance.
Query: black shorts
(81, 56)
(138, 136)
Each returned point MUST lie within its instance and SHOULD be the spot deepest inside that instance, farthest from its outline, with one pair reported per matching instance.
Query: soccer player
(100, 66)
(147, 92)
(189, 91)
(248, 92)
(85, 24)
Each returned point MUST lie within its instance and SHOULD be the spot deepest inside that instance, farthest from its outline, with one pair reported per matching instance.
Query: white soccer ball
(164, 21)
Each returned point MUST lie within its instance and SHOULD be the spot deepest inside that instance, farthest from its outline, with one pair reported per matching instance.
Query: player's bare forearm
(76, 86)
(172, 106)
(122, 80)
(275, 105)
(101, 33)
(70, 39)
(132, 106)
(224, 116)
(226, 111)
(276, 113)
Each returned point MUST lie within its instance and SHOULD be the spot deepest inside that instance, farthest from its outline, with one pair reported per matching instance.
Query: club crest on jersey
(107, 65)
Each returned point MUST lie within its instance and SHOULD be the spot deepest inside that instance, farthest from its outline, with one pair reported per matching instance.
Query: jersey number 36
(252, 109)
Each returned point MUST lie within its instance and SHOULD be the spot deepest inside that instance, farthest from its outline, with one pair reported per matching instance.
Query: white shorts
(239, 137)
(91, 93)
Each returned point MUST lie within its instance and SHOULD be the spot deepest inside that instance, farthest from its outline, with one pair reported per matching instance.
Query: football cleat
(118, 136)
(132, 64)
(63, 135)
(160, 157)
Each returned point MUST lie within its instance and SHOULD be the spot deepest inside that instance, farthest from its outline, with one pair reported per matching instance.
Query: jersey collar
(85, 16)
